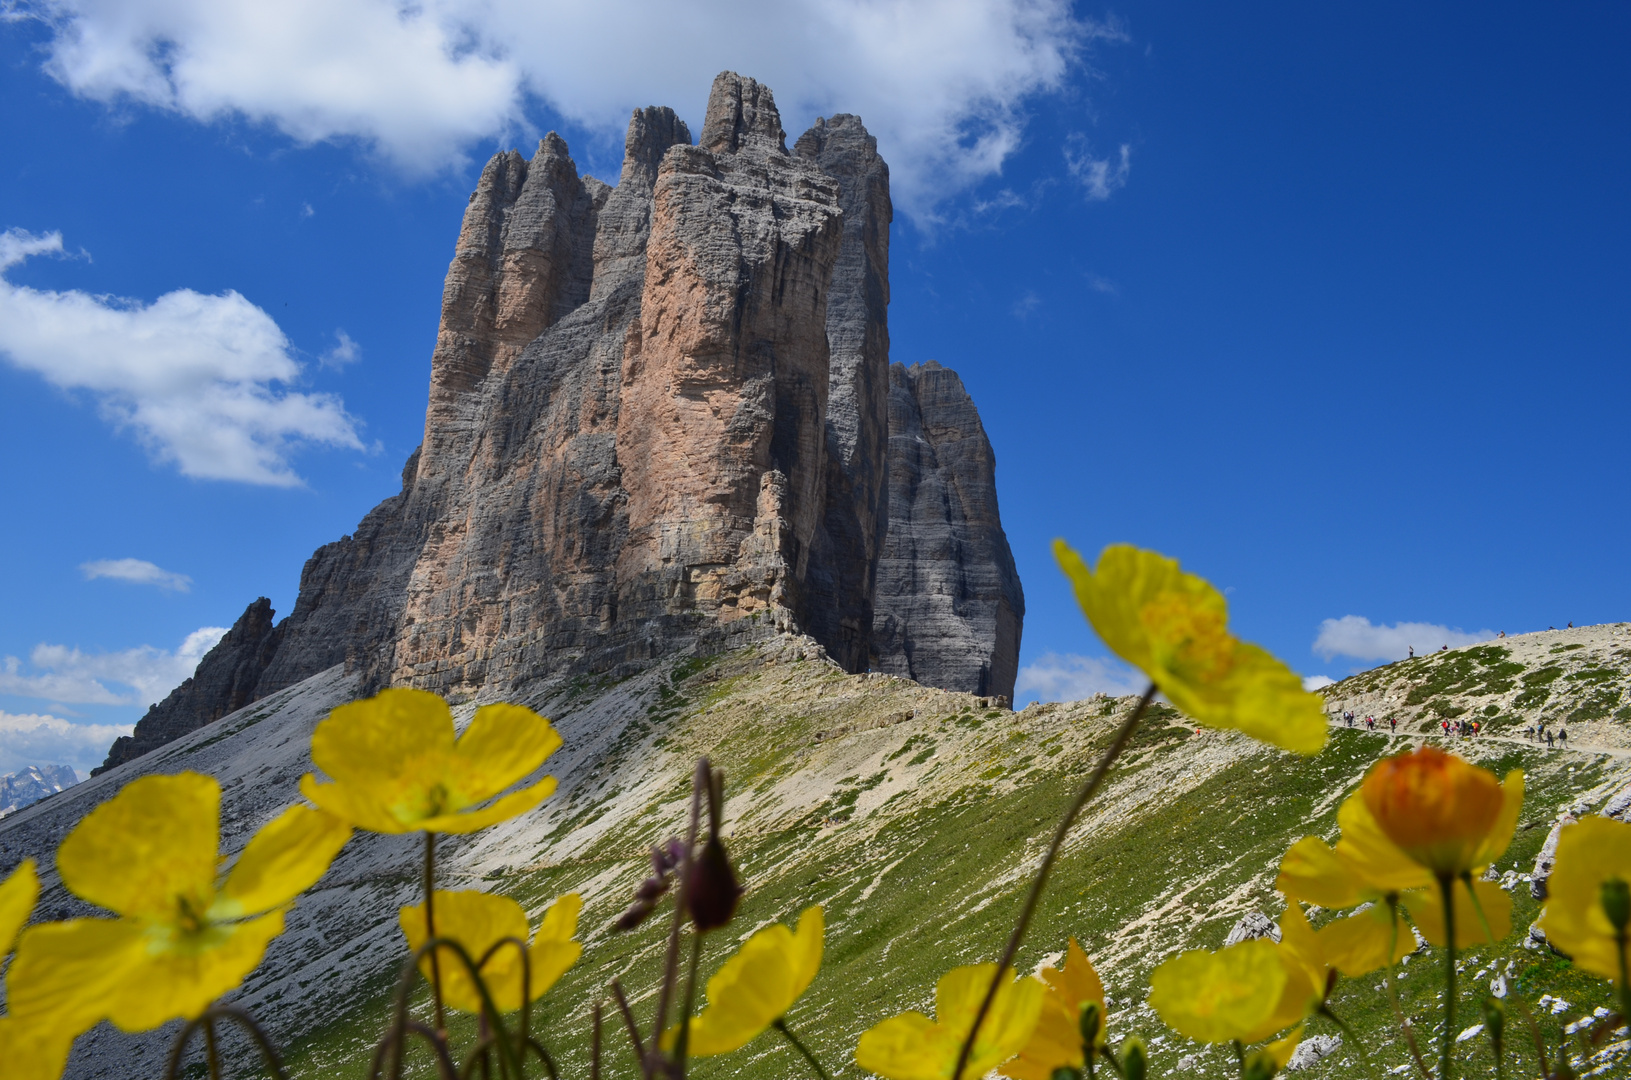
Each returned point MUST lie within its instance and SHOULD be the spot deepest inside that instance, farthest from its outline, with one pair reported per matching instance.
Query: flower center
(1192, 641)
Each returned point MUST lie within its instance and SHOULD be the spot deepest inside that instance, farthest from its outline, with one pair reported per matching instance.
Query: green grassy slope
(915, 817)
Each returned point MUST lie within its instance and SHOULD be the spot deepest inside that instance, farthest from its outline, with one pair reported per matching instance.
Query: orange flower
(1441, 811)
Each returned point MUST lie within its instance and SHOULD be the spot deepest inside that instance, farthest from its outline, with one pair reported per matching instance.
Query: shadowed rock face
(660, 418)
(949, 604)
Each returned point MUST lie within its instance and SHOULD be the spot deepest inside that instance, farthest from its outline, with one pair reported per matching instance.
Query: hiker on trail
(1563, 735)
(1570, 626)
(1529, 732)
(1445, 724)
(1476, 726)
(1412, 652)
(1393, 723)
(1443, 648)
(1548, 740)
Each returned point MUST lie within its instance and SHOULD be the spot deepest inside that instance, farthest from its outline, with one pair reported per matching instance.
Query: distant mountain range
(28, 786)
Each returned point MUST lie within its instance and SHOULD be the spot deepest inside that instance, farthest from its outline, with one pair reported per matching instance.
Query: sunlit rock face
(662, 418)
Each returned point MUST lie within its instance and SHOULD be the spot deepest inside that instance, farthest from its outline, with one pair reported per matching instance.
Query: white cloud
(1069, 677)
(145, 674)
(1358, 637)
(41, 739)
(1317, 682)
(345, 351)
(137, 572)
(943, 83)
(1099, 177)
(191, 375)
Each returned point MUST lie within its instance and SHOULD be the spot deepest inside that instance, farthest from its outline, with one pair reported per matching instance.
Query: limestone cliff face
(949, 603)
(660, 418)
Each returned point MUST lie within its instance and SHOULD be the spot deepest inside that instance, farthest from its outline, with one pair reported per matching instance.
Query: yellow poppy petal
(374, 744)
(1282, 1049)
(908, 1047)
(553, 950)
(176, 979)
(353, 806)
(1007, 1027)
(33, 1050)
(284, 859)
(1426, 908)
(17, 895)
(1500, 835)
(1589, 852)
(1219, 996)
(755, 986)
(502, 744)
(1266, 700)
(148, 848)
(511, 805)
(808, 941)
(1174, 627)
(1377, 862)
(749, 991)
(1366, 941)
(1312, 872)
(65, 973)
(477, 921)
(1057, 1040)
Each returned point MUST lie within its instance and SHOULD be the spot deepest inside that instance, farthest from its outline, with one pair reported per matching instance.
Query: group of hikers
(1537, 733)
(1468, 728)
(1371, 722)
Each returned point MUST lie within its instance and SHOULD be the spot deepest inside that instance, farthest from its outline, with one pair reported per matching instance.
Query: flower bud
(1260, 1065)
(1495, 1021)
(1616, 895)
(1089, 1024)
(711, 890)
(1135, 1060)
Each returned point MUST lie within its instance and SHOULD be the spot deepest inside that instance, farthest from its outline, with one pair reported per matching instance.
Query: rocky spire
(741, 112)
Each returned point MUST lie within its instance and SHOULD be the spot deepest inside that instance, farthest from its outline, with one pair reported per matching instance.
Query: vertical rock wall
(949, 603)
(661, 417)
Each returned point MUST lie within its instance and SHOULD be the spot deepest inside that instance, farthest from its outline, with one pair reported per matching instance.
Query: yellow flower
(1245, 993)
(913, 1047)
(1449, 816)
(1057, 1040)
(397, 767)
(182, 939)
(755, 987)
(17, 895)
(34, 1048)
(1590, 853)
(478, 921)
(1173, 626)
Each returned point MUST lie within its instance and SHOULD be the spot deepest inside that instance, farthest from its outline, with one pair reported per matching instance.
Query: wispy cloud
(944, 84)
(344, 352)
(1025, 305)
(191, 375)
(42, 739)
(136, 572)
(1070, 677)
(1100, 177)
(139, 676)
(1103, 285)
(1358, 637)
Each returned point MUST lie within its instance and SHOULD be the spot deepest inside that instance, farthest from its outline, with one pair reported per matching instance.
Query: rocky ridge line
(662, 418)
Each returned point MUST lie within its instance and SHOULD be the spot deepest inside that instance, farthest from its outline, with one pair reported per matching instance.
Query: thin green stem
(780, 1025)
(1620, 939)
(1446, 888)
(594, 1045)
(1347, 1033)
(1393, 993)
(1240, 1055)
(430, 929)
(682, 1046)
(1117, 745)
(671, 962)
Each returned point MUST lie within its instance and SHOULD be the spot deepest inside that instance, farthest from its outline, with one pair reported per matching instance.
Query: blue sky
(1330, 303)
